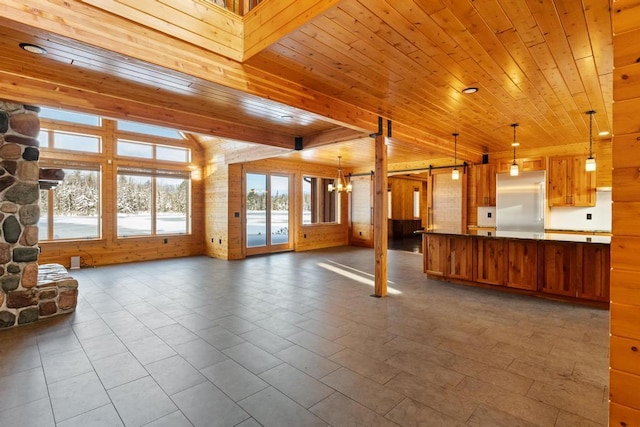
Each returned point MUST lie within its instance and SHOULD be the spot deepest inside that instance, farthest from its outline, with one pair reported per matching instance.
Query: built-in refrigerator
(520, 202)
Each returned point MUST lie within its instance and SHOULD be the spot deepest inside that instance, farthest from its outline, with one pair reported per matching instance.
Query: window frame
(129, 169)
(50, 214)
(315, 208)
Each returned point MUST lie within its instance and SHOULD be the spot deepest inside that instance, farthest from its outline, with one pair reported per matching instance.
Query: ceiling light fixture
(603, 133)
(455, 173)
(590, 164)
(339, 183)
(469, 90)
(32, 48)
(514, 171)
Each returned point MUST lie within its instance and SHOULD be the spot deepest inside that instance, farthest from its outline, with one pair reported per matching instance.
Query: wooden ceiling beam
(40, 92)
(82, 22)
(331, 137)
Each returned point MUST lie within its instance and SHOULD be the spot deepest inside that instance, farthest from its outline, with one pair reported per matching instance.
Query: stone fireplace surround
(26, 294)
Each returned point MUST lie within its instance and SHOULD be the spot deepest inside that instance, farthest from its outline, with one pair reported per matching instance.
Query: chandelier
(339, 183)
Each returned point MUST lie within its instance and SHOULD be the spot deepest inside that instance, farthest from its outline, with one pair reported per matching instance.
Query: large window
(142, 172)
(69, 116)
(71, 210)
(145, 150)
(69, 141)
(318, 203)
(151, 202)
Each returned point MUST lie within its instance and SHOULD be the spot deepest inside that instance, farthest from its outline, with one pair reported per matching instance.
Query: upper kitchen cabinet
(569, 183)
(525, 165)
(484, 177)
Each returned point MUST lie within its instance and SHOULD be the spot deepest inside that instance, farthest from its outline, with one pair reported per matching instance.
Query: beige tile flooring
(295, 339)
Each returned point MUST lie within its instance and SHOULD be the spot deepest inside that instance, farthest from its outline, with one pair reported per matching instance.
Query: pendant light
(339, 183)
(514, 171)
(590, 165)
(455, 173)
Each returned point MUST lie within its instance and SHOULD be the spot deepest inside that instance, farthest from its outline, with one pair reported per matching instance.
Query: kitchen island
(568, 267)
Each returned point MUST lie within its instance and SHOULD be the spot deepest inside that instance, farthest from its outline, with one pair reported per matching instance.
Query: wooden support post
(380, 223)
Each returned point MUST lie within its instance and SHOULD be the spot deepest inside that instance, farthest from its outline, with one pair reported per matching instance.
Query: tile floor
(294, 339)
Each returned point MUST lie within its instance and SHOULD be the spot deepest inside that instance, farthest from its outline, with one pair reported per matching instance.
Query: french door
(267, 216)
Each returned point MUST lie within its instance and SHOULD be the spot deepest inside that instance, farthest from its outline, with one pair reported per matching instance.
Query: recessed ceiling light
(515, 144)
(603, 133)
(32, 48)
(468, 90)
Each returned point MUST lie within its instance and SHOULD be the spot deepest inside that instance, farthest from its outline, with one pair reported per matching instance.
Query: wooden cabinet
(561, 270)
(491, 261)
(434, 247)
(460, 257)
(485, 183)
(568, 270)
(523, 264)
(448, 256)
(595, 279)
(525, 165)
(569, 183)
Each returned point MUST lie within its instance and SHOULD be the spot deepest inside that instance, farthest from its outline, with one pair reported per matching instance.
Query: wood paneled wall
(109, 249)
(402, 189)
(224, 199)
(216, 220)
(624, 380)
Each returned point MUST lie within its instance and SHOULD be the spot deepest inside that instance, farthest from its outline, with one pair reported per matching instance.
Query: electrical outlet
(305, 235)
(488, 214)
(588, 216)
(236, 214)
(212, 240)
(166, 241)
(219, 241)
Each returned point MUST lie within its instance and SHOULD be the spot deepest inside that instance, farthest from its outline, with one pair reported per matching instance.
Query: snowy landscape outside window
(72, 209)
(152, 202)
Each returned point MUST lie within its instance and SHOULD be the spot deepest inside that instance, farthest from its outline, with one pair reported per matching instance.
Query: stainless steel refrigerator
(520, 202)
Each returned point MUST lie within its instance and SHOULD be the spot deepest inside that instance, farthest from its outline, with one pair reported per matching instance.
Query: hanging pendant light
(590, 165)
(514, 171)
(339, 183)
(455, 173)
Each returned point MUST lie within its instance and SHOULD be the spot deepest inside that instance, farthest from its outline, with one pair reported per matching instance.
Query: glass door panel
(267, 213)
(256, 210)
(279, 221)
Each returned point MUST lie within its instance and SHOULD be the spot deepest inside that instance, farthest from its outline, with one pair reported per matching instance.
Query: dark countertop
(528, 235)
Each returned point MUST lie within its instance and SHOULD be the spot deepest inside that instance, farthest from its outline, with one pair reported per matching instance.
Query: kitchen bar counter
(529, 235)
(569, 267)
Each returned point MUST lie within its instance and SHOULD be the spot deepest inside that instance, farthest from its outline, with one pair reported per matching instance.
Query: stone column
(19, 213)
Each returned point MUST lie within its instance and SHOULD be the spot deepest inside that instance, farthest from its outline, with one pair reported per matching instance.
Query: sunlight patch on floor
(343, 270)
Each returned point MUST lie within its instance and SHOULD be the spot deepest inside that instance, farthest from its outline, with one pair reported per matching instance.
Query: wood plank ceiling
(540, 63)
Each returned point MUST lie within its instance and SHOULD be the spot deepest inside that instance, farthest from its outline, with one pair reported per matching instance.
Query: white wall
(570, 218)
